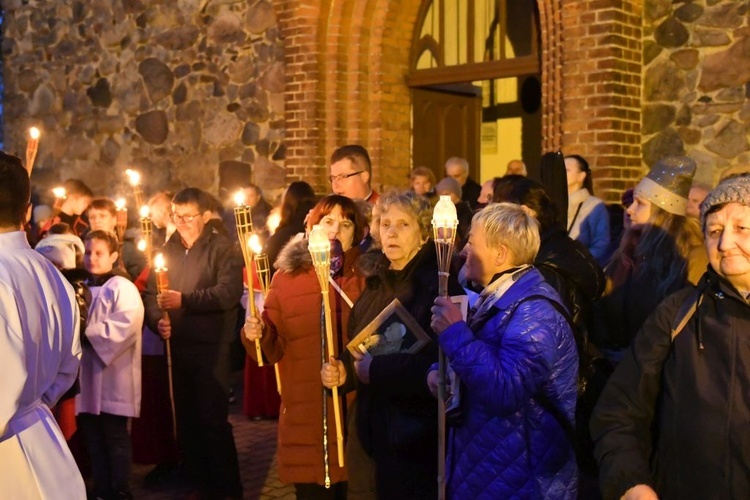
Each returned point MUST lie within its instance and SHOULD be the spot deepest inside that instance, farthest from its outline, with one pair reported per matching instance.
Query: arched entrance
(475, 78)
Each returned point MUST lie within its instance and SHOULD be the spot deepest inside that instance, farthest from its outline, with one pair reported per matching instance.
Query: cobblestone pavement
(256, 448)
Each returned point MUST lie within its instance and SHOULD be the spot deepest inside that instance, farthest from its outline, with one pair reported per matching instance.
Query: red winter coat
(293, 339)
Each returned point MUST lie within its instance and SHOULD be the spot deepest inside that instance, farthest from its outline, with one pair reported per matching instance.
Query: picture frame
(393, 330)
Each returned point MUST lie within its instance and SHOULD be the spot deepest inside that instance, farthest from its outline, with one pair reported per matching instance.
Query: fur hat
(61, 249)
(731, 190)
(667, 184)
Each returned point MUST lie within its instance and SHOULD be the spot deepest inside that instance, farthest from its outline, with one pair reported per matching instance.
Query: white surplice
(39, 357)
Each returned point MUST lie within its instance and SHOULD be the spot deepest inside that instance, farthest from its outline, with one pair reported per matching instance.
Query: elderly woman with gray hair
(392, 447)
(517, 361)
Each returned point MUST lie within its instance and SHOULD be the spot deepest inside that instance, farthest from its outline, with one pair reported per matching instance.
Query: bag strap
(686, 312)
(575, 217)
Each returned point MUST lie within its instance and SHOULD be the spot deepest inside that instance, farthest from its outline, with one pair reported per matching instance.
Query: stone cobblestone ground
(256, 448)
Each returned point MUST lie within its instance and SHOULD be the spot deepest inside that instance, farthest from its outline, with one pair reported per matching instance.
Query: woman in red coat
(292, 337)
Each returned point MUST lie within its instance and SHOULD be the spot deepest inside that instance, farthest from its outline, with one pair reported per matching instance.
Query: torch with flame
(147, 230)
(320, 250)
(263, 270)
(243, 221)
(444, 224)
(162, 285)
(121, 223)
(134, 178)
(32, 147)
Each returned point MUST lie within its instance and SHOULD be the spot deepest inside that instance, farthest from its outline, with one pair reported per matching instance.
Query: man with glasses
(205, 286)
(351, 173)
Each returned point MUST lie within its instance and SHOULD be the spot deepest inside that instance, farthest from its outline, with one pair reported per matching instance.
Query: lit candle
(32, 147)
(122, 218)
(239, 198)
(142, 246)
(147, 231)
(134, 178)
(60, 196)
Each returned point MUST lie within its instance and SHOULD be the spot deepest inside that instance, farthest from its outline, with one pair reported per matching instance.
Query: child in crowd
(110, 368)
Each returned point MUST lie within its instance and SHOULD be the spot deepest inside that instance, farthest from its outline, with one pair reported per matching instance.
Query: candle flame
(59, 192)
(145, 211)
(142, 245)
(318, 239)
(159, 264)
(120, 203)
(254, 243)
(34, 133)
(239, 198)
(134, 177)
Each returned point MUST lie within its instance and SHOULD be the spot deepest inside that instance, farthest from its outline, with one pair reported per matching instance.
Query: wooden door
(446, 124)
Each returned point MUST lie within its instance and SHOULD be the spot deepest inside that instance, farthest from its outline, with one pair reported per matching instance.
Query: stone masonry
(182, 90)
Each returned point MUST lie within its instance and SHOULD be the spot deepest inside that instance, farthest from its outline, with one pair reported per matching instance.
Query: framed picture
(393, 330)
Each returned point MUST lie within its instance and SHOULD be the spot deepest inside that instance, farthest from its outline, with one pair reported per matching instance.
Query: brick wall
(601, 105)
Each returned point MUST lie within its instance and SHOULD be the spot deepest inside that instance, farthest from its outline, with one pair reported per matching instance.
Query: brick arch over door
(345, 64)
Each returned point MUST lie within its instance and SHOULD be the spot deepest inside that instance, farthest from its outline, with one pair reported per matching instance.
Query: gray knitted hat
(667, 184)
(732, 190)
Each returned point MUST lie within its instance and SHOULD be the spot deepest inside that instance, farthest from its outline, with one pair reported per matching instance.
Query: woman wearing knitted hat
(660, 253)
(672, 420)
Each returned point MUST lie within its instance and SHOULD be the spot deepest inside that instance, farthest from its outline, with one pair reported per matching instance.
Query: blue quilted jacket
(517, 365)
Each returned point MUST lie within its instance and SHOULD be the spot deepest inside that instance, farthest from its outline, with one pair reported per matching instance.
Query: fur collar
(294, 257)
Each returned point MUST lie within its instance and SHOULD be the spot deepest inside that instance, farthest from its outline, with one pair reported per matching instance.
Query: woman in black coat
(392, 447)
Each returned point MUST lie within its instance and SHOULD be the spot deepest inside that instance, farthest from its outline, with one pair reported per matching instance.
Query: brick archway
(346, 64)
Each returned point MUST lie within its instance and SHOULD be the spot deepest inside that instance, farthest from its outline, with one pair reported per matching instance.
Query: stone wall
(186, 91)
(696, 97)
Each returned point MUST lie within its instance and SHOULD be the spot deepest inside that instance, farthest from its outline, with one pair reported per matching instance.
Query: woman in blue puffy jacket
(517, 362)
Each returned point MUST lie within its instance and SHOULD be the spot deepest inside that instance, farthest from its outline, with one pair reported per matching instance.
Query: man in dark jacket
(205, 286)
(673, 419)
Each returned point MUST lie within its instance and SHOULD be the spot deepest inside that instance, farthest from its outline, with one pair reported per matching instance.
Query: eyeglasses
(183, 219)
(341, 177)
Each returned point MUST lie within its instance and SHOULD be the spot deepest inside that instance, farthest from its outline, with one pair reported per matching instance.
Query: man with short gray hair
(458, 168)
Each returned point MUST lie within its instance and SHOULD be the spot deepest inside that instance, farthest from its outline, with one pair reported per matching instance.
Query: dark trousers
(108, 444)
(201, 390)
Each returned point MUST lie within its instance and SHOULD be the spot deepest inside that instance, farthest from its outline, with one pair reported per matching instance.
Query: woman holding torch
(291, 336)
(393, 432)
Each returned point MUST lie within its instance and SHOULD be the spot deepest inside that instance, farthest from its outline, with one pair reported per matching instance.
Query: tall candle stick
(243, 221)
(320, 250)
(134, 178)
(162, 285)
(444, 224)
(147, 232)
(32, 147)
(263, 271)
(121, 223)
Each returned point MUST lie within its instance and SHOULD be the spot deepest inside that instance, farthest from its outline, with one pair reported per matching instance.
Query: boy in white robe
(39, 354)
(110, 368)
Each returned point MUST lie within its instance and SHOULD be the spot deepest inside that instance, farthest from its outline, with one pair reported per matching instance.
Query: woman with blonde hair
(660, 253)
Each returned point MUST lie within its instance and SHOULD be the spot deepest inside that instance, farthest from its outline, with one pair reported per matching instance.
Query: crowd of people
(119, 360)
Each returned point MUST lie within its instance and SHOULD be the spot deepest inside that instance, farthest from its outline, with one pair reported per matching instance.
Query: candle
(32, 147)
(147, 232)
(60, 196)
(160, 271)
(122, 218)
(134, 178)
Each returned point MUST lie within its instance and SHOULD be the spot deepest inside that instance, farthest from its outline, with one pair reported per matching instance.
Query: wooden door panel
(445, 125)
